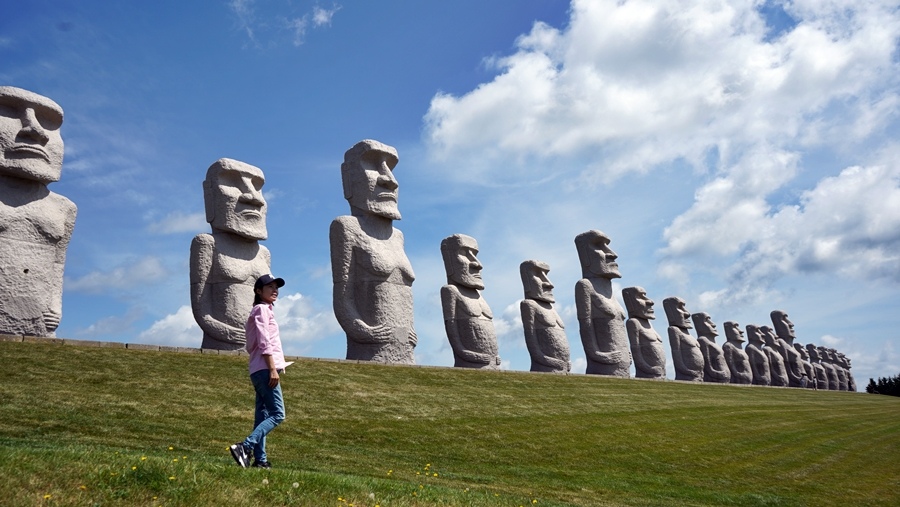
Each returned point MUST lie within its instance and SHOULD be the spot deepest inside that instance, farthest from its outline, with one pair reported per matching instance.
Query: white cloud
(301, 322)
(141, 272)
(265, 25)
(322, 16)
(178, 222)
(177, 330)
(114, 326)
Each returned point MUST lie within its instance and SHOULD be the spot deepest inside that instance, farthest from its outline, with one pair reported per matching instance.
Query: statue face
(234, 199)
(704, 324)
(639, 305)
(538, 286)
(754, 334)
(768, 335)
(813, 353)
(676, 313)
(803, 354)
(31, 147)
(597, 258)
(466, 268)
(733, 332)
(372, 186)
(784, 328)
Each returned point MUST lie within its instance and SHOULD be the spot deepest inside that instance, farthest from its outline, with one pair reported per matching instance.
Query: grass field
(98, 426)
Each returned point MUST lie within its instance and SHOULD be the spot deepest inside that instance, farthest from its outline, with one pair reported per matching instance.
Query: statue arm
(202, 250)
(586, 327)
(343, 297)
(53, 313)
(634, 337)
(449, 299)
(675, 342)
(527, 310)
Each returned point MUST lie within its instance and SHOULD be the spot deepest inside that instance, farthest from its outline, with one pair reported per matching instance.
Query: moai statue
(845, 364)
(686, 354)
(735, 356)
(820, 375)
(843, 384)
(467, 317)
(35, 223)
(646, 345)
(715, 368)
(808, 369)
(759, 360)
(224, 265)
(834, 383)
(601, 319)
(373, 298)
(545, 334)
(793, 362)
(776, 358)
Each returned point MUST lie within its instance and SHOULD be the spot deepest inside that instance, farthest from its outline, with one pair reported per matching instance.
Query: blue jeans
(269, 413)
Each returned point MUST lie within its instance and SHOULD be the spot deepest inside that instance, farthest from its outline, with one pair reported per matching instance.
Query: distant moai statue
(808, 368)
(467, 317)
(830, 370)
(844, 361)
(646, 345)
(759, 359)
(224, 265)
(715, 368)
(35, 223)
(545, 334)
(820, 376)
(777, 366)
(601, 318)
(843, 384)
(686, 354)
(373, 298)
(735, 356)
(793, 362)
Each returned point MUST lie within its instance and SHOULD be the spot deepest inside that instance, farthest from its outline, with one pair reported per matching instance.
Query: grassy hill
(99, 426)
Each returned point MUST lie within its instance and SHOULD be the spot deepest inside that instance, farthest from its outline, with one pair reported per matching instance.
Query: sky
(744, 156)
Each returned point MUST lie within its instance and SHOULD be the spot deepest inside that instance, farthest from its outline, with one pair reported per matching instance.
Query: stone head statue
(812, 352)
(769, 336)
(733, 332)
(597, 258)
(784, 328)
(638, 304)
(704, 325)
(460, 261)
(676, 313)
(367, 175)
(535, 281)
(802, 351)
(232, 195)
(755, 335)
(31, 147)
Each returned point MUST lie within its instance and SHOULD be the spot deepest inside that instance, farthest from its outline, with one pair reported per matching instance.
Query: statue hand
(609, 357)
(51, 320)
(413, 337)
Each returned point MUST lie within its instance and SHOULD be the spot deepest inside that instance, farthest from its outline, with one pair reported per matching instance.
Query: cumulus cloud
(301, 322)
(177, 330)
(140, 272)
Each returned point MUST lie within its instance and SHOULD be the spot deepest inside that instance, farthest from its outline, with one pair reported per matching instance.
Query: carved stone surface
(686, 354)
(844, 361)
(784, 341)
(224, 265)
(373, 299)
(821, 377)
(830, 369)
(646, 345)
(467, 317)
(759, 360)
(35, 223)
(601, 318)
(545, 334)
(774, 352)
(808, 369)
(715, 369)
(735, 356)
(843, 384)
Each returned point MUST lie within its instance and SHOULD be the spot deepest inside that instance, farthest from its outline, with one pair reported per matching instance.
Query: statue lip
(387, 196)
(29, 151)
(250, 212)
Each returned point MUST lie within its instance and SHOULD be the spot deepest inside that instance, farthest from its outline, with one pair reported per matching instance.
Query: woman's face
(268, 293)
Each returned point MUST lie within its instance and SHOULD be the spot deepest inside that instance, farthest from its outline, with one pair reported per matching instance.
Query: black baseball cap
(266, 280)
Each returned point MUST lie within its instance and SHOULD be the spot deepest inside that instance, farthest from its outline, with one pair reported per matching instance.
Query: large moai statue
(686, 355)
(545, 334)
(808, 368)
(601, 319)
(830, 370)
(467, 317)
(646, 345)
(224, 265)
(773, 351)
(820, 375)
(715, 368)
(844, 361)
(735, 356)
(759, 360)
(793, 362)
(843, 384)
(373, 298)
(35, 223)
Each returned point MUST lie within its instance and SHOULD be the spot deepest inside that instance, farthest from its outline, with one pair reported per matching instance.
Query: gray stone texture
(686, 354)
(545, 334)
(784, 343)
(820, 375)
(373, 298)
(735, 356)
(35, 224)
(647, 349)
(777, 366)
(715, 368)
(468, 319)
(830, 369)
(601, 318)
(759, 359)
(808, 369)
(224, 265)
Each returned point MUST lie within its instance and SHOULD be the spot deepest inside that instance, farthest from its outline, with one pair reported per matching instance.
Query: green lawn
(99, 426)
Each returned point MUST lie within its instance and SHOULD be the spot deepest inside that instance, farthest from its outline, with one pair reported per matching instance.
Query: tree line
(885, 385)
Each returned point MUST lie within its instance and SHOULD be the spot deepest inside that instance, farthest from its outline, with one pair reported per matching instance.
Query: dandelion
(46, 497)
(134, 468)
(171, 477)
(418, 473)
(466, 490)
(185, 457)
(390, 472)
(170, 448)
(265, 482)
(534, 501)
(143, 458)
(435, 474)
(371, 496)
(295, 485)
(175, 460)
(82, 487)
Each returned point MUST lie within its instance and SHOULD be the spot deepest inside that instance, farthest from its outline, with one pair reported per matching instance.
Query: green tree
(885, 385)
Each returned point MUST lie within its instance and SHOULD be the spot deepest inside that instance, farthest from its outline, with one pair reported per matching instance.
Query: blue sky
(743, 157)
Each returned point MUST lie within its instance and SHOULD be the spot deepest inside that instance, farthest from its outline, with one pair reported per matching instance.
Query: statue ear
(208, 201)
(345, 180)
